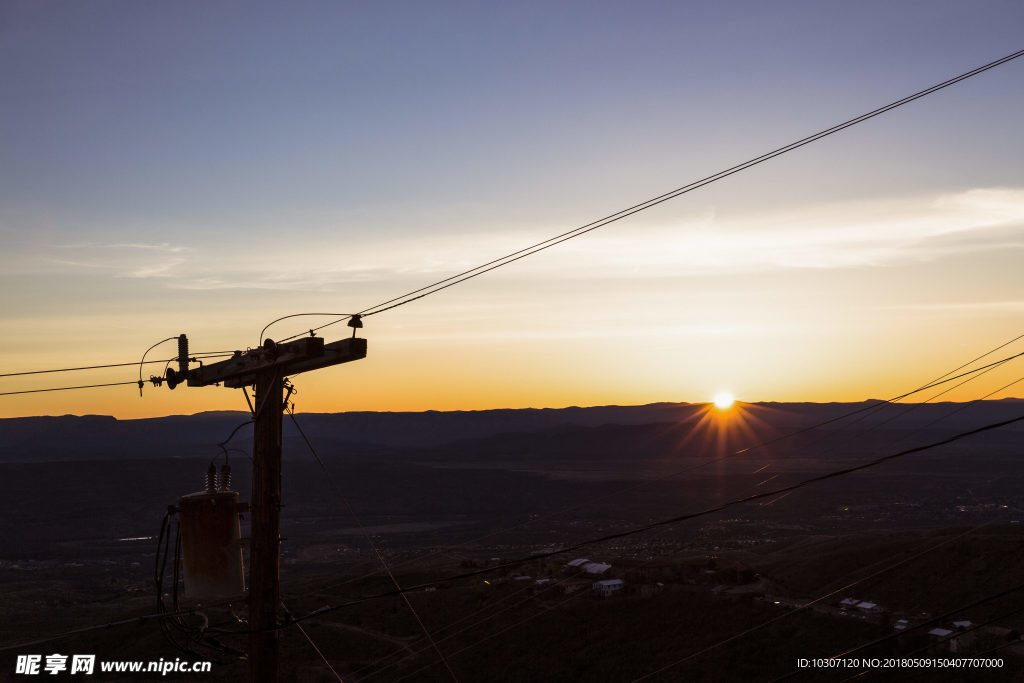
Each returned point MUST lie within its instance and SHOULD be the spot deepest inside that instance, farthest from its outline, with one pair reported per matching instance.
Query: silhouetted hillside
(93, 437)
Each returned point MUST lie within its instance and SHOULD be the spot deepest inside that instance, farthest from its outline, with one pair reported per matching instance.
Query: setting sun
(724, 400)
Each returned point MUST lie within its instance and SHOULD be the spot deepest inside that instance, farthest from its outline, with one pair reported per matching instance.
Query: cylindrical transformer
(211, 544)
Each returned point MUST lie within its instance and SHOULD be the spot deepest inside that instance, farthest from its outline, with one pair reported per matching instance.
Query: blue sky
(207, 167)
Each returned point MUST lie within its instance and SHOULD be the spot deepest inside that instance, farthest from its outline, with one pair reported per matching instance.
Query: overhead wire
(822, 597)
(808, 604)
(973, 375)
(398, 301)
(202, 354)
(942, 379)
(884, 639)
(534, 592)
(98, 627)
(141, 362)
(196, 356)
(774, 500)
(682, 517)
(866, 673)
(575, 546)
(440, 285)
(84, 386)
(508, 628)
(376, 550)
(812, 602)
(295, 315)
(316, 648)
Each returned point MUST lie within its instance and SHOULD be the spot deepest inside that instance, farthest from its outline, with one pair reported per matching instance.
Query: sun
(724, 400)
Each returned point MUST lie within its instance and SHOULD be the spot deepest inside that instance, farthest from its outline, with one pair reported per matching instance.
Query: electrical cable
(98, 627)
(435, 287)
(141, 362)
(500, 632)
(144, 618)
(682, 517)
(850, 585)
(942, 641)
(234, 431)
(315, 647)
(376, 550)
(84, 367)
(909, 629)
(381, 666)
(295, 315)
(110, 365)
(810, 603)
(911, 408)
(85, 386)
(930, 385)
(942, 379)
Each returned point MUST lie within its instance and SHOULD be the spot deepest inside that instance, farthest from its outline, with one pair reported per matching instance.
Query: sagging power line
(458, 278)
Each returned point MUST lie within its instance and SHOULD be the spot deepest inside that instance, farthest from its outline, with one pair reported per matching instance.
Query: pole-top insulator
(355, 322)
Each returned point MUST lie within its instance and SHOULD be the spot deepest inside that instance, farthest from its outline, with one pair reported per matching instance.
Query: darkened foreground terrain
(715, 597)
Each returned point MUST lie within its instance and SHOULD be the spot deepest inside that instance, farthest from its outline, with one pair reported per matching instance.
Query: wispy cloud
(852, 235)
(863, 234)
(159, 246)
(966, 307)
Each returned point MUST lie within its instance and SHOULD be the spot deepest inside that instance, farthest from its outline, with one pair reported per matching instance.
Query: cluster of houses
(959, 636)
(643, 577)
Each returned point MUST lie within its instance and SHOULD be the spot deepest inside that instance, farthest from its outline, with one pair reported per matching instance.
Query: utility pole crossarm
(288, 359)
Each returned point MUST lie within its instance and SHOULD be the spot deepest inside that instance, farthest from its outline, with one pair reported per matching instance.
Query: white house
(607, 587)
(596, 567)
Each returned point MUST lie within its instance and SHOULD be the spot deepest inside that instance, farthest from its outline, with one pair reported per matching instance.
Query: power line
(94, 386)
(680, 518)
(296, 315)
(84, 386)
(792, 612)
(945, 639)
(942, 379)
(898, 634)
(575, 546)
(97, 627)
(810, 603)
(976, 373)
(205, 354)
(504, 630)
(376, 550)
(143, 360)
(930, 385)
(316, 649)
(435, 287)
(379, 666)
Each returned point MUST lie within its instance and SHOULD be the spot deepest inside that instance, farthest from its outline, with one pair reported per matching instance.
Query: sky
(205, 168)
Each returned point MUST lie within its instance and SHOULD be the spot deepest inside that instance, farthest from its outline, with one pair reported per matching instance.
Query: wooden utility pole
(264, 548)
(266, 367)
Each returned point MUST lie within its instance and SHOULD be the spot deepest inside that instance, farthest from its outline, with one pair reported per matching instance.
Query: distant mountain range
(370, 434)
